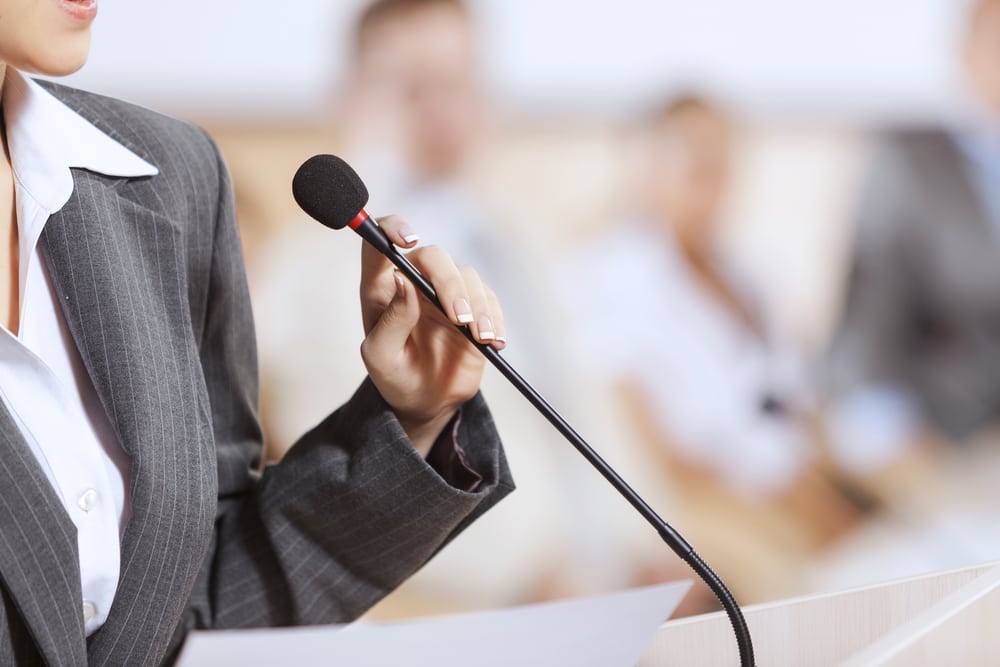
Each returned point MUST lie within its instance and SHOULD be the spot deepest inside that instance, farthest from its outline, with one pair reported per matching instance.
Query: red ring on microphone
(359, 220)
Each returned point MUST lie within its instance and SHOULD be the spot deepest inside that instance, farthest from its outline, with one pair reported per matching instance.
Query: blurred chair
(914, 367)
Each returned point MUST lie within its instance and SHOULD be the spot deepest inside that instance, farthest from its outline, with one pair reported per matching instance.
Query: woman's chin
(55, 66)
(68, 58)
(64, 68)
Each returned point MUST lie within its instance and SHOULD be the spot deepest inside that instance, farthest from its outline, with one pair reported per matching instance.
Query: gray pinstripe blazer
(151, 280)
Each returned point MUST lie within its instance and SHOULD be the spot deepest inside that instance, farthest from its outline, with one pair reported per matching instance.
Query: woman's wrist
(424, 432)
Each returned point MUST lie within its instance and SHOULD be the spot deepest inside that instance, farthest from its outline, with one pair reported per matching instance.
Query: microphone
(329, 190)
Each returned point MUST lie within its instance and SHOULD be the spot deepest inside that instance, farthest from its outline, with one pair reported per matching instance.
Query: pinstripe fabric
(150, 277)
(38, 560)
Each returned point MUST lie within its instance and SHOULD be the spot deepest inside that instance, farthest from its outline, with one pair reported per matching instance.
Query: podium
(946, 618)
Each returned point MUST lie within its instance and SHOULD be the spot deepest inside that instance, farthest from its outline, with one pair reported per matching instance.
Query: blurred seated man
(918, 347)
(414, 116)
(667, 315)
(411, 118)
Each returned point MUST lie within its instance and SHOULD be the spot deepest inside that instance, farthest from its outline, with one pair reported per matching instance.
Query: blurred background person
(914, 365)
(409, 110)
(917, 352)
(677, 322)
(414, 114)
(721, 400)
(411, 117)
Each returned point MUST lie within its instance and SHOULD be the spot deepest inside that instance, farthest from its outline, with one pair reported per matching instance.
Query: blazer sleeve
(350, 512)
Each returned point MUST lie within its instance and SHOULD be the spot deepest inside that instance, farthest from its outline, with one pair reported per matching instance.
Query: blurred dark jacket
(922, 313)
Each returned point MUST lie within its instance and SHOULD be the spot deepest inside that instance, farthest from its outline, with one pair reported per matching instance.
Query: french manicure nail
(463, 311)
(486, 329)
(408, 234)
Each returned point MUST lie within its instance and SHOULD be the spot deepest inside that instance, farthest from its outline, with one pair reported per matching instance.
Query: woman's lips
(81, 10)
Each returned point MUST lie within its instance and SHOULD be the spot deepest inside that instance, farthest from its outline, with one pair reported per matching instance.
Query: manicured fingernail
(463, 311)
(400, 285)
(486, 329)
(501, 339)
(408, 234)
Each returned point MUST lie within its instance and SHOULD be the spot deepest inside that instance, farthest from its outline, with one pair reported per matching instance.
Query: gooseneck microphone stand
(374, 235)
(329, 190)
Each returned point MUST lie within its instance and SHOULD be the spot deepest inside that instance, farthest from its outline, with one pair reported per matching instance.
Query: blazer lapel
(118, 269)
(39, 562)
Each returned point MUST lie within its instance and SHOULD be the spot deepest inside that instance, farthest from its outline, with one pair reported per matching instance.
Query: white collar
(46, 139)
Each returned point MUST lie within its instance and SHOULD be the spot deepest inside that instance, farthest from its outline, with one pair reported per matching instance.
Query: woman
(715, 396)
(130, 510)
(684, 337)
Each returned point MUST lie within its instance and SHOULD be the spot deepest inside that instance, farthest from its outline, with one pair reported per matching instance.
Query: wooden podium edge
(921, 626)
(820, 629)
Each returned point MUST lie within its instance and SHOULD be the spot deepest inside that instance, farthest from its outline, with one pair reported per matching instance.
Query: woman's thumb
(393, 327)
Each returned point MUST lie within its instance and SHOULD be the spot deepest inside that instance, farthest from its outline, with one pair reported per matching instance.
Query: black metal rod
(667, 532)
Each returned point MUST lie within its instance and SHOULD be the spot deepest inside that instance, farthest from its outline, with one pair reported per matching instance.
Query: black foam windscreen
(328, 189)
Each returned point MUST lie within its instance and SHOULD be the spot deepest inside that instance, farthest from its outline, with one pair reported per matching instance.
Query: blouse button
(87, 500)
(89, 611)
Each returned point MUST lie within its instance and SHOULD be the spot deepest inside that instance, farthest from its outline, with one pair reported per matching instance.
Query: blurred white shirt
(646, 318)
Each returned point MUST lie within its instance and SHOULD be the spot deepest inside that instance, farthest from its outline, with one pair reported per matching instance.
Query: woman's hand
(421, 364)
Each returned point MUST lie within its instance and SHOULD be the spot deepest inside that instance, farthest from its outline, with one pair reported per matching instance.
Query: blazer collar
(46, 139)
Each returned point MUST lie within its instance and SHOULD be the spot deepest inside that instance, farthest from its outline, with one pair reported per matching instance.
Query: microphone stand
(372, 233)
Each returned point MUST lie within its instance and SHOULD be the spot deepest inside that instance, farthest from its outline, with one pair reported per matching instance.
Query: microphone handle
(374, 234)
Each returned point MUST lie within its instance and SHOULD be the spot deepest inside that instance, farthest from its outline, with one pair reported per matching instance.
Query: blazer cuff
(467, 457)
(448, 459)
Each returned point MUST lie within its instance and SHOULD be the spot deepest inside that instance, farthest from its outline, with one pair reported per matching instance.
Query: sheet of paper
(609, 631)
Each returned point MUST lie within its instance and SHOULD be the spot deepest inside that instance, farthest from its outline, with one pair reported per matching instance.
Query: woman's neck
(9, 290)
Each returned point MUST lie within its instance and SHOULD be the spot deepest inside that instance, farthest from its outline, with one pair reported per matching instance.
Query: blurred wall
(261, 60)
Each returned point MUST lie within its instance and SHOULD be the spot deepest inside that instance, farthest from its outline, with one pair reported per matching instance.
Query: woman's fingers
(467, 301)
(399, 231)
(388, 336)
(488, 325)
(436, 265)
(496, 313)
(375, 284)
